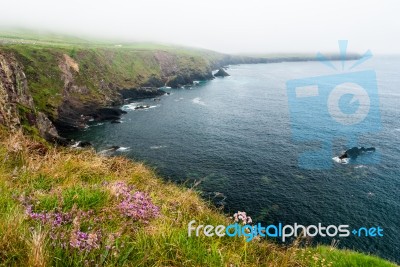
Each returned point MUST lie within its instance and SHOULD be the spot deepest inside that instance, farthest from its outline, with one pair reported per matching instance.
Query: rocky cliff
(62, 86)
(17, 108)
(48, 88)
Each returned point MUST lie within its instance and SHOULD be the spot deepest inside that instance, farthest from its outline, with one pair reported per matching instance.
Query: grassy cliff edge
(68, 207)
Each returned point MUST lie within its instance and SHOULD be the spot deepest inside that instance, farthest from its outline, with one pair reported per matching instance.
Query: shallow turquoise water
(234, 134)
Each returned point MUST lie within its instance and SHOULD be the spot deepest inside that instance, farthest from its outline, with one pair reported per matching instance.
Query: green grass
(75, 182)
(130, 65)
(104, 67)
(343, 258)
(85, 198)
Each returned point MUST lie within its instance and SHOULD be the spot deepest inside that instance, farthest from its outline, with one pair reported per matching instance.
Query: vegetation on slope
(117, 68)
(70, 77)
(68, 207)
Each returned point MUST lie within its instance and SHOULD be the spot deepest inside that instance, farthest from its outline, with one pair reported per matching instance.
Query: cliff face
(14, 91)
(17, 107)
(67, 85)
(42, 86)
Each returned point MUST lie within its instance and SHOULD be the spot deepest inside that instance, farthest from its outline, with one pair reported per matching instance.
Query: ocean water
(234, 135)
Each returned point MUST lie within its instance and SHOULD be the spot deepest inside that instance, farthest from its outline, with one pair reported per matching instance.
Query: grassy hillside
(65, 207)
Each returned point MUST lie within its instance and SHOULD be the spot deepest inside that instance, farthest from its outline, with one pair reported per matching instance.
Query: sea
(237, 139)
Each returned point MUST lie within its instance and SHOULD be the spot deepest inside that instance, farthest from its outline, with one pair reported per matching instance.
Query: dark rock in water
(183, 79)
(178, 81)
(221, 73)
(115, 121)
(142, 107)
(115, 148)
(103, 114)
(354, 152)
(84, 144)
(141, 93)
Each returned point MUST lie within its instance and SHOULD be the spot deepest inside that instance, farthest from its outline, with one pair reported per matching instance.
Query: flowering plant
(241, 217)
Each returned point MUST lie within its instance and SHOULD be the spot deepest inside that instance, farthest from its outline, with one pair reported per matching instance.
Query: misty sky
(251, 26)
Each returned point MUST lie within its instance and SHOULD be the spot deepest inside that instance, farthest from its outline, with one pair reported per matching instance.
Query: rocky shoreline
(49, 92)
(75, 116)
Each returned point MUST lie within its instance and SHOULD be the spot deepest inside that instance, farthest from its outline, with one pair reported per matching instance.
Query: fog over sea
(234, 135)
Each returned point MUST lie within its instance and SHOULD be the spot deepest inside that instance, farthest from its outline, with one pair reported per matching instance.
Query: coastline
(64, 85)
(48, 89)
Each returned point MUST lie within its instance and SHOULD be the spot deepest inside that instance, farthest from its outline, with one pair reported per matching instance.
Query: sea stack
(221, 73)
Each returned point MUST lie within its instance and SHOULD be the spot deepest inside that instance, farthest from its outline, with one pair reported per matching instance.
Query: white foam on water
(146, 108)
(130, 106)
(360, 167)
(341, 161)
(157, 147)
(76, 145)
(198, 101)
(123, 149)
